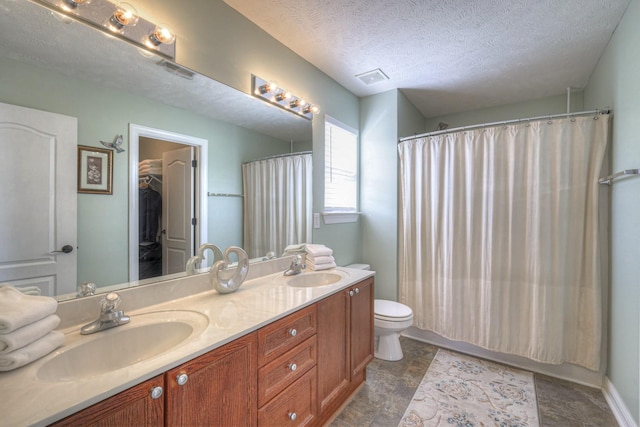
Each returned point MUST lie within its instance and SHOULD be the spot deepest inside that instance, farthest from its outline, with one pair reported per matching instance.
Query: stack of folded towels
(150, 167)
(27, 326)
(319, 257)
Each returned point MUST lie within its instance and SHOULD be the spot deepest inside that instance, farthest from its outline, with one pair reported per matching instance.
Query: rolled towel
(327, 259)
(325, 266)
(318, 250)
(31, 352)
(18, 309)
(24, 336)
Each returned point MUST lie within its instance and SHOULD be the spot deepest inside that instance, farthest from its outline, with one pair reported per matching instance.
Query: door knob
(67, 249)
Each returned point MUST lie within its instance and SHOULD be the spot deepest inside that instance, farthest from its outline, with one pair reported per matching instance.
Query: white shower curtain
(277, 203)
(501, 243)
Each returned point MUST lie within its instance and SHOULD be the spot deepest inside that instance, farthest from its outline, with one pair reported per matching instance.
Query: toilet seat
(391, 311)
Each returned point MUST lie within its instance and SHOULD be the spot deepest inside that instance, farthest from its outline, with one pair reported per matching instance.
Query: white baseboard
(619, 409)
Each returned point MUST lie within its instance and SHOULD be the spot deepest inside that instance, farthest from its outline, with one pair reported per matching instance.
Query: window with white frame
(340, 172)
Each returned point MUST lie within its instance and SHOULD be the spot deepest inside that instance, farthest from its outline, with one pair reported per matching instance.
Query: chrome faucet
(109, 316)
(295, 267)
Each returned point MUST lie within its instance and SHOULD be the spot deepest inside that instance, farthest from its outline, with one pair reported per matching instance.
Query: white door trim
(137, 131)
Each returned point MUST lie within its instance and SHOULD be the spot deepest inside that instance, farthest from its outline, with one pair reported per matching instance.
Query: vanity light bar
(269, 92)
(120, 20)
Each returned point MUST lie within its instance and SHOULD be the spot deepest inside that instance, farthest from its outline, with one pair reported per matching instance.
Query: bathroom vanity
(280, 351)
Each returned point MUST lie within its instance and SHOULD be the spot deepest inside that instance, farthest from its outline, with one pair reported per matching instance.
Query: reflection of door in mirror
(38, 188)
(166, 208)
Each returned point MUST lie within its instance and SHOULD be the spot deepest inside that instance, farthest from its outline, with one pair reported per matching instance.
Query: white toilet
(390, 318)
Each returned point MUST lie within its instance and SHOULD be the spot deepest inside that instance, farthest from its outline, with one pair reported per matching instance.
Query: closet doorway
(167, 201)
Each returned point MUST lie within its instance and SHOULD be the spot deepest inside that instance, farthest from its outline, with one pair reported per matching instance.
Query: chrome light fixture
(120, 20)
(269, 92)
(73, 4)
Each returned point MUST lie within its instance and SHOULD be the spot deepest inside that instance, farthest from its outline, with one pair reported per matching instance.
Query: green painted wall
(533, 108)
(615, 82)
(384, 118)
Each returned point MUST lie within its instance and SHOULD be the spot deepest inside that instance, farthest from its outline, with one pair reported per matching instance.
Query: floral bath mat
(460, 390)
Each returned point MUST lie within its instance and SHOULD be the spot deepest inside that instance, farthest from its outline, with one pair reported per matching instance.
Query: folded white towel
(294, 249)
(31, 352)
(150, 162)
(24, 336)
(326, 266)
(149, 171)
(327, 259)
(18, 309)
(318, 250)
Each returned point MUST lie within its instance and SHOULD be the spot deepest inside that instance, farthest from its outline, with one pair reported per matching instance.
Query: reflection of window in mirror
(340, 168)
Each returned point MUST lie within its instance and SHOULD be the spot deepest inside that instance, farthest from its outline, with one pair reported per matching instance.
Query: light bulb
(161, 34)
(268, 87)
(281, 96)
(125, 15)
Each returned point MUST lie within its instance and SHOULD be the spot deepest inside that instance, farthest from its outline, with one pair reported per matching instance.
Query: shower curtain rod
(277, 156)
(505, 122)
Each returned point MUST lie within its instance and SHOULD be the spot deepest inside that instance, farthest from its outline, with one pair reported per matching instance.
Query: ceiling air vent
(372, 77)
(176, 69)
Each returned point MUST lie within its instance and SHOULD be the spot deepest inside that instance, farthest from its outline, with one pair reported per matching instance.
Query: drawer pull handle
(292, 416)
(357, 290)
(156, 392)
(293, 367)
(293, 332)
(182, 379)
(351, 293)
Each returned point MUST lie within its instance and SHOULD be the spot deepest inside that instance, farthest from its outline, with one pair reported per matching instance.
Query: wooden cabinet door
(333, 350)
(220, 388)
(132, 407)
(361, 326)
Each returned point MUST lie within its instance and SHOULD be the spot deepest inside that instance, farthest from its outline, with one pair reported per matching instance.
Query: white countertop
(28, 400)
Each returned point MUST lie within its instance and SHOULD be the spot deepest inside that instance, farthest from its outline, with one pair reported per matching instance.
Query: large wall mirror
(55, 65)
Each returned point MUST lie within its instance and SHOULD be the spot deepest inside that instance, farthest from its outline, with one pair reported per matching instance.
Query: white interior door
(38, 193)
(177, 209)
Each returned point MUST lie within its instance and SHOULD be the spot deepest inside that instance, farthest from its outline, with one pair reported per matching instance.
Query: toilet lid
(391, 309)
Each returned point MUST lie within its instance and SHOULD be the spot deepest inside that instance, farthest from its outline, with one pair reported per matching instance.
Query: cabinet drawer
(281, 336)
(296, 406)
(275, 376)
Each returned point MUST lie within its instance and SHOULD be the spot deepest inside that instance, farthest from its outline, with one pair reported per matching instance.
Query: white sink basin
(144, 337)
(311, 280)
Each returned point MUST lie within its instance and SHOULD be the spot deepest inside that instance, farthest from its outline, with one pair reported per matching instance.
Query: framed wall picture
(95, 170)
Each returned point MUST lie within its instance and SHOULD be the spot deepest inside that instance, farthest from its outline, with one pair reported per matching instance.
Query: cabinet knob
(156, 392)
(292, 416)
(293, 367)
(357, 290)
(182, 379)
(293, 332)
(351, 293)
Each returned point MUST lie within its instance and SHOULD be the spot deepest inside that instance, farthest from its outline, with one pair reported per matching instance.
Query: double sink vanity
(282, 350)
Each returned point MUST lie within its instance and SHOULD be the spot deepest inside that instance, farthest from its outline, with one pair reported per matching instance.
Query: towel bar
(627, 172)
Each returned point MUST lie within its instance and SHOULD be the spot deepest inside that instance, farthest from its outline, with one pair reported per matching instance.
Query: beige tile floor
(381, 402)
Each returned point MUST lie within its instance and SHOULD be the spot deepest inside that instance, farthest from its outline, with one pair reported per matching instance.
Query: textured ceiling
(447, 56)
(31, 34)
